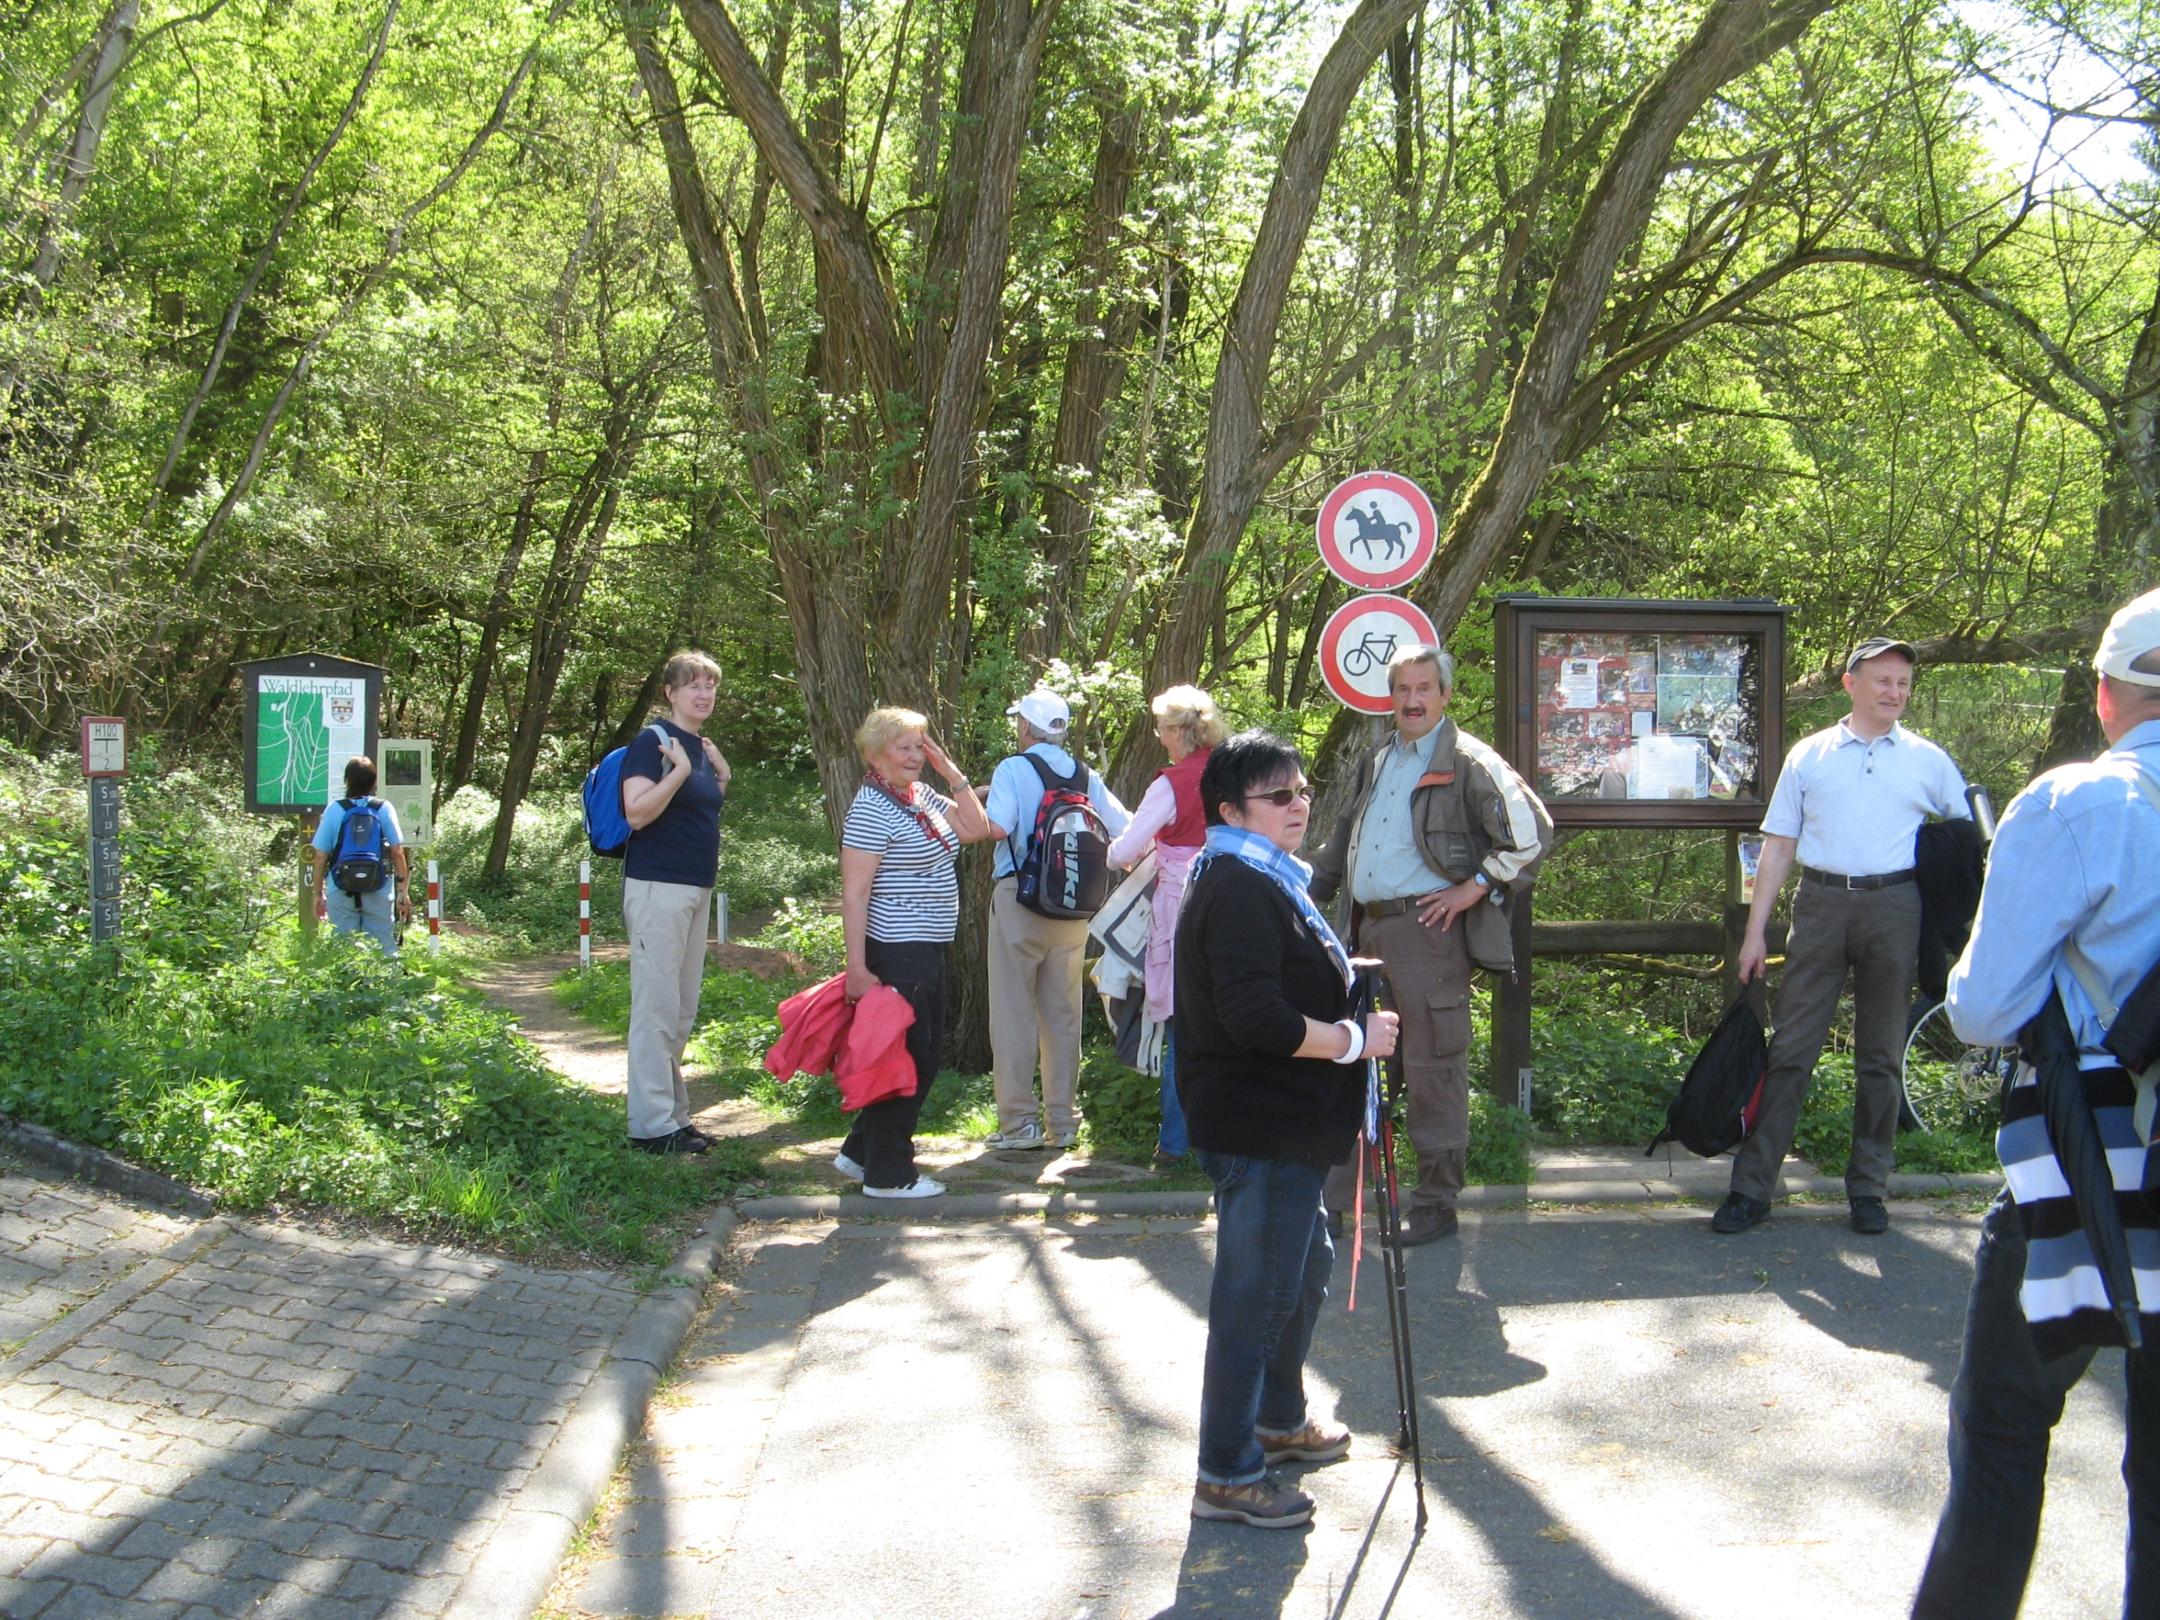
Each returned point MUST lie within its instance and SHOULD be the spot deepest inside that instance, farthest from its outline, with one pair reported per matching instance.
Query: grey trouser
(1428, 986)
(666, 923)
(1034, 1011)
(1875, 933)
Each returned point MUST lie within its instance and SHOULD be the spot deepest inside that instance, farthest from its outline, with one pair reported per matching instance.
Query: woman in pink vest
(1171, 818)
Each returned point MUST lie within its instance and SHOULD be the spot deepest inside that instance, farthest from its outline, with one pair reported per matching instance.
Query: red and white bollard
(434, 907)
(584, 914)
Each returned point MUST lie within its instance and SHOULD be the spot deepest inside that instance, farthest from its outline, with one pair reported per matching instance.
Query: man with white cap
(2071, 906)
(1035, 961)
(1846, 809)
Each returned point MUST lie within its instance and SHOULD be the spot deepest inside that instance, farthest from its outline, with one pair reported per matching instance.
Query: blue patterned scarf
(1290, 875)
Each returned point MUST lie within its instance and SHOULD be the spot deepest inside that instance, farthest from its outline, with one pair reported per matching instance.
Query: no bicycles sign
(1377, 531)
(1359, 639)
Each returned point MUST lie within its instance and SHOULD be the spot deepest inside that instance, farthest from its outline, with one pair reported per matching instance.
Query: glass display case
(1643, 713)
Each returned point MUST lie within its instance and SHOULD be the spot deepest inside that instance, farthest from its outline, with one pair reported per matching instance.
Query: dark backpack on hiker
(1720, 1101)
(361, 864)
(1064, 872)
(607, 828)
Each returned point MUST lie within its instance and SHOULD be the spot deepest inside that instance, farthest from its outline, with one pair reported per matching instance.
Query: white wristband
(1356, 1032)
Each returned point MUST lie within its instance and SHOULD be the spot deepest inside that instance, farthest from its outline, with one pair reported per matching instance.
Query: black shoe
(685, 1140)
(1738, 1213)
(1428, 1226)
(1869, 1218)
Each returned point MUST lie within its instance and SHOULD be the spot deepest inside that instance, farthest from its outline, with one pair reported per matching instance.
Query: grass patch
(217, 1048)
(774, 845)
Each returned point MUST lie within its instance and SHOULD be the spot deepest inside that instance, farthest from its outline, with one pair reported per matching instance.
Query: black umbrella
(2053, 1052)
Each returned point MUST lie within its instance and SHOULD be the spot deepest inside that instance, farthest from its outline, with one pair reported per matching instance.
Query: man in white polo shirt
(1847, 806)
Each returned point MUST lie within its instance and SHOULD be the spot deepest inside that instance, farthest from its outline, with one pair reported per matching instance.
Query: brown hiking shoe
(1267, 1502)
(1317, 1442)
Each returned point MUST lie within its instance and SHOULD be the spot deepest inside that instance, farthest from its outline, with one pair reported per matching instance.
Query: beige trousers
(1034, 1011)
(666, 923)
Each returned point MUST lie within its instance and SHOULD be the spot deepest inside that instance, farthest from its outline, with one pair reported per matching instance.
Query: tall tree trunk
(1238, 466)
(1732, 38)
(1094, 366)
(503, 594)
(116, 36)
(261, 263)
(578, 541)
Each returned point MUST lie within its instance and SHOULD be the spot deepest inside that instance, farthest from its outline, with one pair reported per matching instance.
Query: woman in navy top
(672, 793)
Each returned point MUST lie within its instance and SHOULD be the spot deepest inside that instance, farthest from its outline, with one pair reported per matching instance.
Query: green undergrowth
(1604, 1074)
(774, 845)
(219, 1048)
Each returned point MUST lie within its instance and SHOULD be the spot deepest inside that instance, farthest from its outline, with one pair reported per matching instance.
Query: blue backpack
(607, 829)
(360, 865)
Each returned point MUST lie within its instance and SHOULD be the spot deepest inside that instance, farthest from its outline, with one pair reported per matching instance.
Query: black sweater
(1249, 973)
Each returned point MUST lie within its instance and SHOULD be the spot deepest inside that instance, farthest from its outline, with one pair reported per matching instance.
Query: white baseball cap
(1045, 711)
(2131, 634)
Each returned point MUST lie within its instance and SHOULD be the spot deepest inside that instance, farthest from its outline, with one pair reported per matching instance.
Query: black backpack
(1720, 1101)
(361, 865)
(1065, 870)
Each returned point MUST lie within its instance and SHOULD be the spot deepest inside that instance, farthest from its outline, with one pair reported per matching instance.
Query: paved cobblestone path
(61, 1243)
(271, 1422)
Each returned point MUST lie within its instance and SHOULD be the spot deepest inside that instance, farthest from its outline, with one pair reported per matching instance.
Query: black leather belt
(1388, 908)
(1838, 880)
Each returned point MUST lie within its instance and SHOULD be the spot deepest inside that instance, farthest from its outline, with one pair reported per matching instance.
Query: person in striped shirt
(899, 906)
(2071, 905)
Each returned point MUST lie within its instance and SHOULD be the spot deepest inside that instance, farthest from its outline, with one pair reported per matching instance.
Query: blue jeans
(1171, 1139)
(2003, 1409)
(1272, 1261)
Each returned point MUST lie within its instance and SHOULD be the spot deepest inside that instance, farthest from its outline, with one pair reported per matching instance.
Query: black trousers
(883, 1138)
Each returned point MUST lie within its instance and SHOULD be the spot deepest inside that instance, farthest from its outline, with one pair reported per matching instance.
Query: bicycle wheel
(1949, 1084)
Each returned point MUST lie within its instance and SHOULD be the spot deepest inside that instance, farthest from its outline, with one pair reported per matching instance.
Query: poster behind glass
(1632, 716)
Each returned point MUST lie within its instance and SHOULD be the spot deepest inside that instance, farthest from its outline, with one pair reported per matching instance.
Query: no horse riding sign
(1377, 531)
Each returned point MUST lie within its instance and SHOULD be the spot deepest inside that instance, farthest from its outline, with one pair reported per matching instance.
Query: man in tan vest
(1439, 831)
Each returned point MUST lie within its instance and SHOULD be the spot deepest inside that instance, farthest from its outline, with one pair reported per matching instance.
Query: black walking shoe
(1869, 1218)
(685, 1140)
(1427, 1226)
(1738, 1213)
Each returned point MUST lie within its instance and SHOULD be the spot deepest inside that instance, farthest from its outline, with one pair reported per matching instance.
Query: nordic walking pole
(1380, 1147)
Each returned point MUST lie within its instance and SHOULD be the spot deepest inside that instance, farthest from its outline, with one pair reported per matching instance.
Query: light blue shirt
(1385, 862)
(2077, 856)
(1016, 792)
(333, 823)
(1855, 805)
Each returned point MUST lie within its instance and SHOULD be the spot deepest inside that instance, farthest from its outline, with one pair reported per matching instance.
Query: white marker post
(584, 914)
(434, 908)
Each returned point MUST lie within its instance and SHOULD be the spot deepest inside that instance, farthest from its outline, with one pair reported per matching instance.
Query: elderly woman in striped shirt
(899, 906)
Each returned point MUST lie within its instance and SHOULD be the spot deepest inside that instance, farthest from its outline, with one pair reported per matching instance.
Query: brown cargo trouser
(1875, 933)
(1428, 986)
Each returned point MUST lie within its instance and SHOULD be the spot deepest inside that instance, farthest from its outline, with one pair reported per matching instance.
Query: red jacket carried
(862, 1045)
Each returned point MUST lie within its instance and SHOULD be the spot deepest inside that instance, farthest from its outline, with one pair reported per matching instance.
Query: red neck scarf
(933, 825)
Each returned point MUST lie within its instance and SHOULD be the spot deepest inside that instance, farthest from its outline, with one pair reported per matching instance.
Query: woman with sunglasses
(1271, 1073)
(1171, 819)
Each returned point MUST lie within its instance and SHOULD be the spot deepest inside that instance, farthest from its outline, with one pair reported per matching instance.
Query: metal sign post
(104, 760)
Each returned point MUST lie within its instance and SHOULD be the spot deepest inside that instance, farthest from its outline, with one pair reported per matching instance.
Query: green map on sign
(292, 749)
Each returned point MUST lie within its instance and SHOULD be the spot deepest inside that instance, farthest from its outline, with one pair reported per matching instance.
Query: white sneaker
(920, 1187)
(847, 1167)
(1027, 1134)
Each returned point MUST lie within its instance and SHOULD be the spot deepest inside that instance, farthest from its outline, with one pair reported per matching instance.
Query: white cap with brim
(1045, 711)
(2131, 634)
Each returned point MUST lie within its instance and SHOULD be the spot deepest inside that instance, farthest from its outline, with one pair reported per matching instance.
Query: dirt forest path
(594, 1057)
